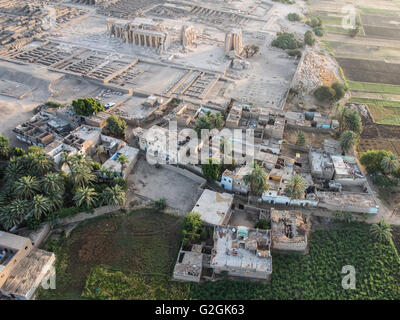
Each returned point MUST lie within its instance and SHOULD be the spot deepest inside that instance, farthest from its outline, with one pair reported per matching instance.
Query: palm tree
(52, 183)
(40, 206)
(26, 187)
(14, 213)
(348, 139)
(81, 159)
(5, 147)
(113, 196)
(40, 163)
(14, 170)
(296, 188)
(381, 231)
(390, 163)
(82, 175)
(123, 160)
(257, 180)
(66, 159)
(85, 197)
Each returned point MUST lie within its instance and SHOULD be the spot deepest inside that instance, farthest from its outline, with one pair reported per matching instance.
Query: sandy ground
(154, 183)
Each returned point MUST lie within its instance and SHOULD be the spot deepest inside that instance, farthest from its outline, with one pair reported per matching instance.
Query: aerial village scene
(199, 149)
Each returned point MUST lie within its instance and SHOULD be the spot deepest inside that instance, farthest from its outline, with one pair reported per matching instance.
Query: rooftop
(243, 248)
(288, 226)
(29, 272)
(213, 206)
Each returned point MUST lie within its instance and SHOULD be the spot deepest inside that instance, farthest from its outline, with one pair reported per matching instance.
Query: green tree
(340, 90)
(314, 22)
(87, 106)
(301, 138)
(82, 175)
(123, 160)
(26, 187)
(381, 231)
(14, 170)
(113, 196)
(116, 126)
(296, 187)
(66, 158)
(257, 180)
(191, 226)
(52, 183)
(372, 159)
(309, 38)
(160, 204)
(324, 93)
(5, 147)
(85, 197)
(250, 51)
(348, 139)
(14, 213)
(39, 163)
(40, 206)
(294, 17)
(211, 170)
(263, 224)
(390, 163)
(285, 41)
(350, 120)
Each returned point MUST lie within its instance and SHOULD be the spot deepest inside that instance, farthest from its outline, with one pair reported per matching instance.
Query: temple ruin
(188, 35)
(145, 35)
(233, 42)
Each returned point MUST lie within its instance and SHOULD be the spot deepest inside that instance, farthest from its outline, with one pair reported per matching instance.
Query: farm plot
(299, 277)
(379, 144)
(370, 71)
(142, 242)
(373, 87)
(382, 111)
(382, 32)
(354, 50)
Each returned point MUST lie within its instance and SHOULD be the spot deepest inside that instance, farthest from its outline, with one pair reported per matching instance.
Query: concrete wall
(290, 247)
(309, 129)
(186, 173)
(237, 272)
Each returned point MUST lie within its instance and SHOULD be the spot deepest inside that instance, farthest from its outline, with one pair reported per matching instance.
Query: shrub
(294, 53)
(116, 126)
(324, 93)
(309, 38)
(319, 31)
(123, 183)
(160, 204)
(301, 138)
(372, 160)
(210, 170)
(263, 224)
(53, 104)
(285, 41)
(314, 22)
(294, 17)
(65, 213)
(340, 90)
(18, 152)
(96, 166)
(87, 106)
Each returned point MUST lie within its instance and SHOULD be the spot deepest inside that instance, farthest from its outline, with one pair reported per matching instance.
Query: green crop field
(373, 87)
(316, 275)
(383, 111)
(379, 12)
